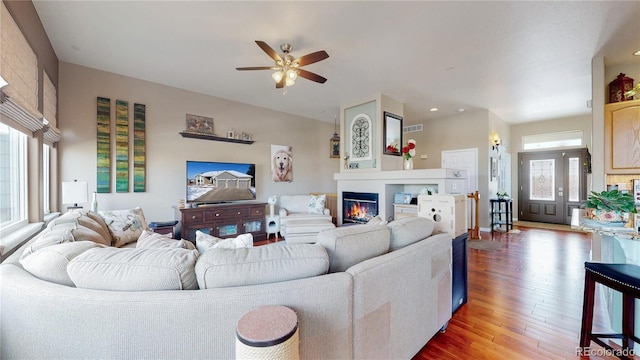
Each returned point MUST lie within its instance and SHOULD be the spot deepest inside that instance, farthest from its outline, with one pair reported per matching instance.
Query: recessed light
(433, 109)
(461, 109)
(637, 53)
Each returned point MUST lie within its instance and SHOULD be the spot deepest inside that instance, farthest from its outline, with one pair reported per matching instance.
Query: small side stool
(624, 278)
(268, 332)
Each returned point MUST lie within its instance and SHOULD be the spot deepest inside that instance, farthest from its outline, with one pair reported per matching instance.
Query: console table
(225, 220)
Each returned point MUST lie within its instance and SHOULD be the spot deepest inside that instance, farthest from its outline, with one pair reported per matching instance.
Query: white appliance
(448, 211)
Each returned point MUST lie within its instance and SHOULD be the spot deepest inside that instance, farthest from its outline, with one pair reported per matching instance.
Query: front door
(552, 184)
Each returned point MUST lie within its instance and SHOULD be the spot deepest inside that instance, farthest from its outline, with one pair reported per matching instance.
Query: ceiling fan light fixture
(277, 76)
(289, 81)
(292, 74)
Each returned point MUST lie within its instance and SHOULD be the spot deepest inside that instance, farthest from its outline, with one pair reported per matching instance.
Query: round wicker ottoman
(268, 332)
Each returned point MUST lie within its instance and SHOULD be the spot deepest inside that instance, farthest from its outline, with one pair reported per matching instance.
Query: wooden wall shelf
(214, 138)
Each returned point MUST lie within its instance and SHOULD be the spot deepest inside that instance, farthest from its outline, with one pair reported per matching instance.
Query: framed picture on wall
(494, 168)
(199, 124)
(392, 129)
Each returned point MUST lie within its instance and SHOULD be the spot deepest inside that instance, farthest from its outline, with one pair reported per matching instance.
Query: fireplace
(358, 208)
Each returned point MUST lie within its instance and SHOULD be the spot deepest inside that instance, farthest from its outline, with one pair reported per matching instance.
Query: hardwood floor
(524, 300)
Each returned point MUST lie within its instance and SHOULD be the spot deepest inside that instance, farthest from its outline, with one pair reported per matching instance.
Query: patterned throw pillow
(316, 204)
(126, 226)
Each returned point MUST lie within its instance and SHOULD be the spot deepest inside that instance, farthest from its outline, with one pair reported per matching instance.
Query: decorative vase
(408, 164)
(94, 202)
(605, 217)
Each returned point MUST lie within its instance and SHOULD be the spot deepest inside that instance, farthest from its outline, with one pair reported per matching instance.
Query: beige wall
(167, 151)
(467, 130)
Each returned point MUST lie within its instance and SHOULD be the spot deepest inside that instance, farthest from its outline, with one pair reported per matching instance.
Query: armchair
(302, 217)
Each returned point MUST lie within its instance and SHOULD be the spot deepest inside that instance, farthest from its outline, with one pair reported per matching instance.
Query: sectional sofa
(360, 292)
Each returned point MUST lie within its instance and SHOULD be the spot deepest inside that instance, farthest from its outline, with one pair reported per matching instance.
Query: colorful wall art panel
(139, 154)
(122, 146)
(103, 150)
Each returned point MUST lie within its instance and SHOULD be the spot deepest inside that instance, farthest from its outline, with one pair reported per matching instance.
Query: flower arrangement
(502, 194)
(409, 151)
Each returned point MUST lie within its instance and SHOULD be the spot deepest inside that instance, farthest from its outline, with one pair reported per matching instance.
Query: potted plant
(609, 207)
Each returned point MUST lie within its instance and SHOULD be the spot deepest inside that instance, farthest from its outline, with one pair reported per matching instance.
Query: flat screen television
(211, 182)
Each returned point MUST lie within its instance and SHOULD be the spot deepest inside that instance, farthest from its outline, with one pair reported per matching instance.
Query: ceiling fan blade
(255, 68)
(280, 84)
(312, 58)
(311, 76)
(266, 48)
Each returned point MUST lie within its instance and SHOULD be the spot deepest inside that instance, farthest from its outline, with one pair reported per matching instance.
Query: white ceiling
(525, 61)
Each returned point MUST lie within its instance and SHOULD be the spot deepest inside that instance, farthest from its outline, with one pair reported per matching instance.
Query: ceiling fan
(287, 67)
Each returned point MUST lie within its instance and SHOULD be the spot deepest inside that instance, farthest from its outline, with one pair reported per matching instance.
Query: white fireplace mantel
(387, 183)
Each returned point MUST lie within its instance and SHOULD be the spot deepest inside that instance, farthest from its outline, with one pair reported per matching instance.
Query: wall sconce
(74, 192)
(496, 143)
(334, 142)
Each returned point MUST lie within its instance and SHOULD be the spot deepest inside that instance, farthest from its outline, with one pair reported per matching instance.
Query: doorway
(466, 159)
(551, 184)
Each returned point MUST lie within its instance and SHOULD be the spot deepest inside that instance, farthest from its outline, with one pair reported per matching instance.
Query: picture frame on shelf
(392, 134)
(199, 124)
(231, 134)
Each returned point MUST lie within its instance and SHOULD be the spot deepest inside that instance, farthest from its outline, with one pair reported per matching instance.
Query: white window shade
(18, 63)
(50, 100)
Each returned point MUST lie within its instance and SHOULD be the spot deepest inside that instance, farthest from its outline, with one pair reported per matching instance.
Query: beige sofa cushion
(129, 269)
(125, 226)
(50, 263)
(260, 265)
(407, 231)
(349, 245)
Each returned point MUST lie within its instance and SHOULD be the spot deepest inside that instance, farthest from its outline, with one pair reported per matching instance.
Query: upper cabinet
(622, 137)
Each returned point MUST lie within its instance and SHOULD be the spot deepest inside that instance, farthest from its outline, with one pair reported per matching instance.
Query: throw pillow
(150, 239)
(376, 220)
(70, 227)
(205, 242)
(316, 204)
(126, 226)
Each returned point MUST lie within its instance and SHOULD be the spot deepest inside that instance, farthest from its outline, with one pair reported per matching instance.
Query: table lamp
(74, 192)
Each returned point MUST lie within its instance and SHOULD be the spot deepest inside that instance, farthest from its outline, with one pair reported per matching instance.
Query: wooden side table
(167, 227)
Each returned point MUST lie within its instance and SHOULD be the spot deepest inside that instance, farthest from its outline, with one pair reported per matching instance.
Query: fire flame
(358, 212)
